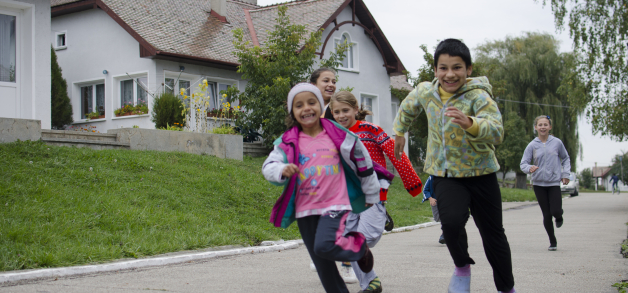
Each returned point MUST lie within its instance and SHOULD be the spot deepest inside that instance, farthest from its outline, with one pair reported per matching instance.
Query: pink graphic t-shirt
(321, 184)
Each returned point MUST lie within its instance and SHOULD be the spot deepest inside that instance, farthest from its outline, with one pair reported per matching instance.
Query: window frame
(65, 39)
(373, 109)
(394, 105)
(353, 59)
(196, 79)
(94, 90)
(135, 78)
(18, 47)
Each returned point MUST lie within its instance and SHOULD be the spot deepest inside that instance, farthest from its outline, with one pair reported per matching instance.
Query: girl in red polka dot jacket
(344, 107)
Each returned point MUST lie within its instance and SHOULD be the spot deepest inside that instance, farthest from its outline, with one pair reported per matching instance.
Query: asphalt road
(587, 260)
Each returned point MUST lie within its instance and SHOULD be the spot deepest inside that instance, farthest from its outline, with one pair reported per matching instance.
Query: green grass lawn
(62, 206)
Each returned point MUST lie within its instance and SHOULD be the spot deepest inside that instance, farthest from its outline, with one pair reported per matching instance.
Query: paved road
(587, 260)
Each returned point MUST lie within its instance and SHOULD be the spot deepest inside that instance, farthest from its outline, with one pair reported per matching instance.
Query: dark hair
(291, 122)
(317, 73)
(453, 47)
(349, 99)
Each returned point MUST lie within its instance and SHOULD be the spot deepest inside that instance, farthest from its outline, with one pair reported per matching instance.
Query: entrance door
(9, 64)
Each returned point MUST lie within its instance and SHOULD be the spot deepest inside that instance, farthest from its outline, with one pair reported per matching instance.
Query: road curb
(266, 246)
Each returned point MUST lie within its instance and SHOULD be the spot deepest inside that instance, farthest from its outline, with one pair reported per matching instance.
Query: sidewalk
(587, 260)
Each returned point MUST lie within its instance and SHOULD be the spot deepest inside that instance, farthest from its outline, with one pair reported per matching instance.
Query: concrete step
(255, 149)
(86, 143)
(83, 135)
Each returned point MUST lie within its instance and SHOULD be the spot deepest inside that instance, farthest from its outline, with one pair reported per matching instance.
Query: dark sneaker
(552, 247)
(367, 261)
(559, 224)
(375, 286)
(441, 240)
(389, 223)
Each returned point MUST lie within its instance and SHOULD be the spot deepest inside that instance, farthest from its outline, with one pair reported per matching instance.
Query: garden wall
(12, 129)
(219, 145)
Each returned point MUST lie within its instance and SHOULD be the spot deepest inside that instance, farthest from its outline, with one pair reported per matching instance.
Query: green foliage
(515, 141)
(621, 286)
(585, 178)
(534, 74)
(599, 31)
(284, 59)
(518, 195)
(224, 129)
(346, 89)
(61, 108)
(618, 164)
(167, 110)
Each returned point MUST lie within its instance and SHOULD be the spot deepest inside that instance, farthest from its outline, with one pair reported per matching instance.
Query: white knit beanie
(305, 87)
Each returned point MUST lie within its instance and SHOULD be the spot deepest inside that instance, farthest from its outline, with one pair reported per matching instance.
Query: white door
(9, 63)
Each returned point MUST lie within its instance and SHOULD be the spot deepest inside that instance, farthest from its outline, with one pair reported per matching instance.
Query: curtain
(100, 99)
(86, 100)
(141, 93)
(126, 91)
(7, 48)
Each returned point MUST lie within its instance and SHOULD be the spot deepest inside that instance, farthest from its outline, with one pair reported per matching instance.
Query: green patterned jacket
(449, 147)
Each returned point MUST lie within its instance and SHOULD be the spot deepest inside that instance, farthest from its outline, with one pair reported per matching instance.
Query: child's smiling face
(306, 109)
(543, 126)
(451, 72)
(326, 82)
(344, 114)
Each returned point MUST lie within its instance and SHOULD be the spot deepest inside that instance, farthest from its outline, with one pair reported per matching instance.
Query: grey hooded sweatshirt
(552, 159)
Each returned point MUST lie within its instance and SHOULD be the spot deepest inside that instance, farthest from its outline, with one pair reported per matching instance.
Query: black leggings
(551, 203)
(481, 195)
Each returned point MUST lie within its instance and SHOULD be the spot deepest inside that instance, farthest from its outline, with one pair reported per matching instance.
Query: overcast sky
(408, 24)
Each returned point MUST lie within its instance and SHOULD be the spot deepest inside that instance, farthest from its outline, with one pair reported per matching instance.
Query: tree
(537, 80)
(599, 30)
(620, 163)
(586, 178)
(61, 108)
(286, 58)
(510, 151)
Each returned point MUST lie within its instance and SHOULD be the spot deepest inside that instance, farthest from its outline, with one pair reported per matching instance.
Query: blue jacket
(427, 189)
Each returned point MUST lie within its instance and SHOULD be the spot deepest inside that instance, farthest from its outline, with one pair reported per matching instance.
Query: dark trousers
(322, 236)
(551, 203)
(481, 195)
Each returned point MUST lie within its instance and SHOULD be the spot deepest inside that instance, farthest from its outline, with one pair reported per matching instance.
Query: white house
(112, 50)
(25, 60)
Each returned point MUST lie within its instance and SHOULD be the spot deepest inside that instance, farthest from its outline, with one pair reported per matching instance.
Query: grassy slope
(54, 211)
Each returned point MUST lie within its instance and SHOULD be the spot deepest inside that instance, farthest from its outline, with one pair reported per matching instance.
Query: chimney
(254, 2)
(219, 9)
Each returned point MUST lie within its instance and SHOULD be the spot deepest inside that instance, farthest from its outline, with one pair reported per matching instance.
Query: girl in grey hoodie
(547, 160)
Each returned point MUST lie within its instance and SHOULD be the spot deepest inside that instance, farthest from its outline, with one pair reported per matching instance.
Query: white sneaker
(348, 275)
(312, 266)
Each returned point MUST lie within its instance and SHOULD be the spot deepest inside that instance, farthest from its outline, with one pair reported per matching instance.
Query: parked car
(572, 186)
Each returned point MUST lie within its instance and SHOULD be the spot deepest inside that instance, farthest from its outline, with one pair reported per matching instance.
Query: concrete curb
(266, 246)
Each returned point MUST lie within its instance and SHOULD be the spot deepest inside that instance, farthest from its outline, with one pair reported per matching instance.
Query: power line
(549, 105)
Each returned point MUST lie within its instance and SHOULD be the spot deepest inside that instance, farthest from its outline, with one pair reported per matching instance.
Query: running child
(371, 222)
(427, 195)
(464, 124)
(327, 173)
(325, 80)
(550, 166)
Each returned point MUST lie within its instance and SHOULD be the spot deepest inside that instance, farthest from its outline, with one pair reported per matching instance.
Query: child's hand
(289, 170)
(400, 142)
(368, 205)
(459, 118)
(432, 201)
(565, 181)
(533, 168)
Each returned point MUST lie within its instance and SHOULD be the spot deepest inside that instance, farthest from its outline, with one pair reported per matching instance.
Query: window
(348, 61)
(213, 90)
(132, 91)
(367, 101)
(93, 95)
(60, 41)
(393, 107)
(7, 48)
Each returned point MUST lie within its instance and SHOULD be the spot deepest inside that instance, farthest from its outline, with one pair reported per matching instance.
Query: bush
(61, 108)
(167, 110)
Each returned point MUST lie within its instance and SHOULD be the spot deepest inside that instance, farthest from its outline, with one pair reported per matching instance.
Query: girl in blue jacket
(547, 160)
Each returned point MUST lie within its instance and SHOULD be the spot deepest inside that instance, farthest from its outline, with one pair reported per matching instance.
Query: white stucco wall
(95, 42)
(29, 97)
(370, 76)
